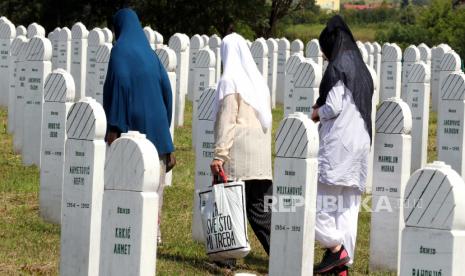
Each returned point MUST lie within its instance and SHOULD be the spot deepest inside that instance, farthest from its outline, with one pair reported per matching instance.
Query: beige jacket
(240, 141)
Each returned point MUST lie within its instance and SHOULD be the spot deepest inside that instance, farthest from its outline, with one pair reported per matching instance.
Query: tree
(281, 8)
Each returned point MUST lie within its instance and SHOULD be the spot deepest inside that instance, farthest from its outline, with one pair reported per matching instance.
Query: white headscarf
(241, 75)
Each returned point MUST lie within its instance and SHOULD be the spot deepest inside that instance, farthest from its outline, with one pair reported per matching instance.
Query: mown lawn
(30, 246)
(307, 32)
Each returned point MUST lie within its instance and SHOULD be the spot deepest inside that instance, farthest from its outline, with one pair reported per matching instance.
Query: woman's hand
(170, 161)
(216, 166)
(315, 117)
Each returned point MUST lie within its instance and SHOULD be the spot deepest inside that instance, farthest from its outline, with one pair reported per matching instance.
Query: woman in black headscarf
(344, 112)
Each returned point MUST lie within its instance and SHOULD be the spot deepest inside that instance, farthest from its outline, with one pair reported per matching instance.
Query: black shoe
(332, 261)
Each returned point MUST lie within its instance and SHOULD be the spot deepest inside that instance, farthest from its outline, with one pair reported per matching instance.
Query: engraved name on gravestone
(58, 99)
(391, 170)
(418, 92)
(79, 35)
(259, 52)
(38, 66)
(272, 68)
(291, 66)
(101, 65)
(95, 39)
(196, 44)
(83, 189)
(20, 80)
(204, 153)
(307, 78)
(283, 56)
(295, 183)
(451, 119)
(437, 53)
(433, 239)
(180, 45)
(390, 72)
(15, 48)
(411, 56)
(130, 207)
(7, 34)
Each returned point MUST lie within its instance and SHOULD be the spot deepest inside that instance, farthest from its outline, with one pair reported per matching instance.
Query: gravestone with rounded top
(83, 189)
(78, 66)
(451, 120)
(64, 49)
(7, 34)
(391, 170)
(450, 63)
(53, 37)
(196, 44)
(158, 40)
(259, 52)
(204, 153)
(370, 51)
(307, 78)
(425, 54)
(108, 35)
(150, 35)
(20, 86)
(38, 66)
(294, 200)
(130, 207)
(206, 40)
(101, 68)
(411, 56)
(180, 45)
(283, 56)
(291, 66)
(15, 48)
(214, 44)
(95, 39)
(297, 47)
(35, 29)
(314, 53)
(272, 68)
(433, 239)
(391, 69)
(418, 92)
(437, 53)
(58, 99)
(21, 30)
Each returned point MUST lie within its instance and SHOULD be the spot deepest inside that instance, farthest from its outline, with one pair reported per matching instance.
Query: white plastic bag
(222, 208)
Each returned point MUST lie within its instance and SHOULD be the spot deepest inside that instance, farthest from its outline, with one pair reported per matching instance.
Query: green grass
(29, 246)
(307, 32)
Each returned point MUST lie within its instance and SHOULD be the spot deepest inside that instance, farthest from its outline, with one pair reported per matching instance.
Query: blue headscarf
(137, 92)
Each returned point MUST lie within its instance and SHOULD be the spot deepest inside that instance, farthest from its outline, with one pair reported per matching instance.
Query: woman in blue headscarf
(137, 92)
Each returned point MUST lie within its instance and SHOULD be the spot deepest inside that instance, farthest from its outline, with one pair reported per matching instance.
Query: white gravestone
(307, 78)
(291, 66)
(390, 72)
(130, 207)
(58, 97)
(150, 34)
(15, 48)
(391, 170)
(20, 86)
(425, 54)
(450, 63)
(53, 37)
(83, 189)
(259, 52)
(377, 66)
(314, 53)
(370, 50)
(433, 240)
(78, 67)
(295, 183)
(437, 53)
(21, 30)
(451, 120)
(95, 39)
(206, 40)
(7, 34)
(168, 59)
(196, 44)
(108, 35)
(38, 66)
(203, 78)
(364, 53)
(35, 29)
(101, 67)
(283, 56)
(158, 40)
(180, 45)
(411, 56)
(272, 68)
(64, 49)
(418, 91)
(204, 153)
(297, 47)
(214, 44)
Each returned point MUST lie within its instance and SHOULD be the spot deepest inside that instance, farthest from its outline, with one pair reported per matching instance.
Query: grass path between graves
(29, 246)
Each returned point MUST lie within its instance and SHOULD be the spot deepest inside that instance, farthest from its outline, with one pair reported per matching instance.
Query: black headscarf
(346, 65)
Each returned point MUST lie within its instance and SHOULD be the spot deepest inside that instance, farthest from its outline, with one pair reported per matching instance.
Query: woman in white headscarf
(243, 131)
